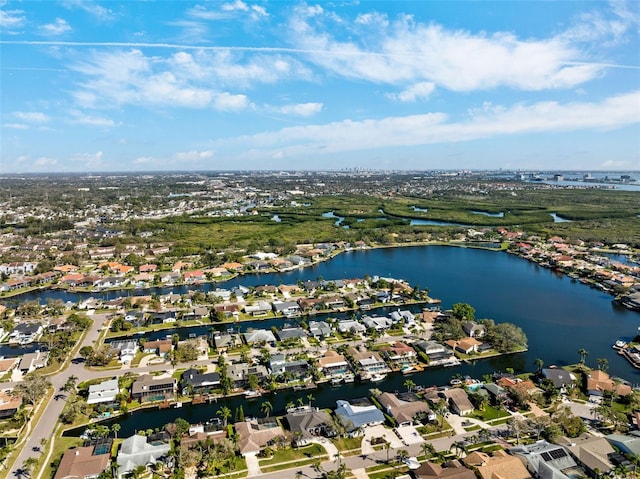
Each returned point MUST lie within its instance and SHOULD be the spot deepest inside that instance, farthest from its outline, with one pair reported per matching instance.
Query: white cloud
(300, 109)
(373, 18)
(31, 116)
(11, 19)
(419, 91)
(89, 160)
(59, 27)
(45, 161)
(83, 119)
(237, 5)
(92, 8)
(431, 128)
(16, 126)
(228, 102)
(194, 155)
(409, 52)
(199, 11)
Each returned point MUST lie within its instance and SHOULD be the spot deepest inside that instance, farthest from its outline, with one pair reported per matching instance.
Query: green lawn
(291, 454)
(489, 413)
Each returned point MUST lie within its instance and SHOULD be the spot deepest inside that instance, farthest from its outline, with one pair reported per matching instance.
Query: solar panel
(546, 456)
(558, 453)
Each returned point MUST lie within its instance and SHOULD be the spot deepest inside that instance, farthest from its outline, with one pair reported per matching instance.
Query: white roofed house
(104, 392)
(137, 451)
(32, 361)
(259, 336)
(286, 308)
(126, 350)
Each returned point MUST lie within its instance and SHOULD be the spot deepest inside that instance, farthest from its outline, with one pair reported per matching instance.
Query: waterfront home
(136, 318)
(84, 462)
(449, 470)
(464, 345)
(594, 453)
(497, 393)
(406, 317)
(195, 381)
(333, 365)
(599, 382)
(228, 310)
(307, 423)
(256, 434)
(308, 305)
(9, 404)
(548, 460)
(125, 349)
(457, 400)
(261, 308)
(286, 308)
(32, 361)
(379, 323)
(436, 352)
(240, 372)
(163, 317)
(257, 336)
(143, 280)
(26, 333)
(332, 302)
(473, 329)
(199, 344)
(195, 313)
(499, 465)
(226, 341)
(351, 326)
(367, 363)
(319, 329)
(291, 333)
(561, 378)
(400, 354)
(104, 392)
(357, 414)
(148, 388)
(160, 347)
(405, 407)
(140, 451)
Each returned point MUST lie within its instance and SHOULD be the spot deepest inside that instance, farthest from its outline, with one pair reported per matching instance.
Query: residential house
(450, 470)
(379, 323)
(333, 302)
(199, 344)
(198, 382)
(261, 308)
(319, 329)
(499, 465)
(163, 317)
(125, 349)
(161, 347)
(9, 404)
(104, 392)
(225, 341)
(548, 460)
(297, 369)
(351, 325)
(259, 336)
(464, 345)
(139, 451)
(286, 308)
(307, 423)
(254, 435)
(436, 352)
(473, 329)
(400, 354)
(599, 382)
(593, 453)
(32, 361)
(291, 333)
(561, 378)
(458, 401)
(83, 463)
(405, 317)
(497, 393)
(358, 413)
(368, 363)
(405, 407)
(26, 333)
(626, 443)
(148, 388)
(333, 365)
(240, 372)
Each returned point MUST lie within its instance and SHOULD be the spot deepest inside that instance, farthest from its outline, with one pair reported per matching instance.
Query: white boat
(619, 344)
(335, 381)
(252, 394)
(407, 369)
(378, 377)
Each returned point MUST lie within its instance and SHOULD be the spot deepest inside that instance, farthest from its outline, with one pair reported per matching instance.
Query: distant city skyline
(387, 85)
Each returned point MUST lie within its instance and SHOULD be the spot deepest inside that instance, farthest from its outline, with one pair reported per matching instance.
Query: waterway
(558, 314)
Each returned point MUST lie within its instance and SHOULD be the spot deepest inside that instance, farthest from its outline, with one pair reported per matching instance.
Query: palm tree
(115, 427)
(583, 355)
(409, 384)
(290, 405)
(138, 471)
(387, 446)
(225, 413)
(402, 454)
(28, 465)
(70, 385)
(311, 398)
(428, 450)
(603, 364)
(539, 363)
(266, 407)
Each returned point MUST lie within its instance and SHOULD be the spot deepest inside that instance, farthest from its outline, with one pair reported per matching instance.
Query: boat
(335, 381)
(252, 394)
(378, 377)
(407, 369)
(455, 382)
(620, 344)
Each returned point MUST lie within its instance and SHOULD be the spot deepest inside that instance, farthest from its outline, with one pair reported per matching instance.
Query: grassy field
(603, 215)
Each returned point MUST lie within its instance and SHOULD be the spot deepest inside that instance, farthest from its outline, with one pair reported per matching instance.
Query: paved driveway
(379, 431)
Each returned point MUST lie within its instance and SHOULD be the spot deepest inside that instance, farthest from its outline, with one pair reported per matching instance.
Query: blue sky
(131, 86)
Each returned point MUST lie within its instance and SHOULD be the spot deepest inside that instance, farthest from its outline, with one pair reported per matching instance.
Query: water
(558, 314)
(491, 215)
(559, 219)
(331, 214)
(418, 222)
(276, 218)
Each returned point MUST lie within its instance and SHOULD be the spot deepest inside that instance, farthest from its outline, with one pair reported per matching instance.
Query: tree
(115, 427)
(86, 352)
(583, 355)
(539, 364)
(32, 388)
(310, 398)
(70, 385)
(225, 413)
(29, 464)
(507, 337)
(409, 384)
(603, 364)
(463, 311)
(387, 447)
(402, 454)
(428, 450)
(266, 407)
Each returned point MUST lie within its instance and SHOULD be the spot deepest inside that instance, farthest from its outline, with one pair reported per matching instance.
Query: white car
(412, 463)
